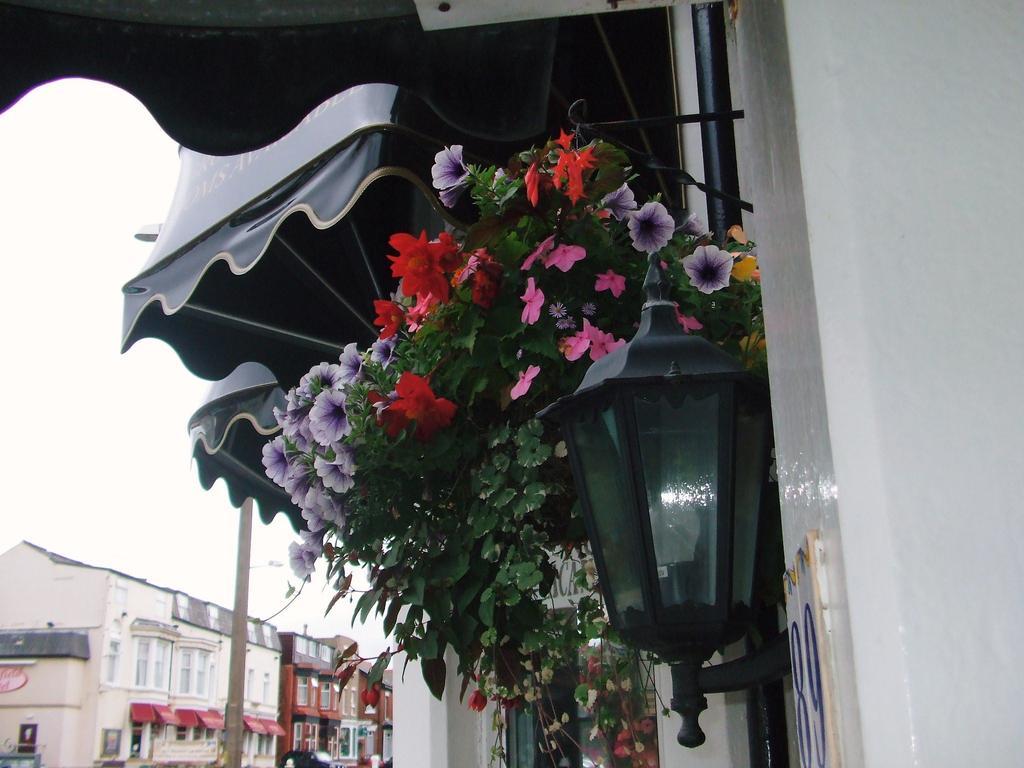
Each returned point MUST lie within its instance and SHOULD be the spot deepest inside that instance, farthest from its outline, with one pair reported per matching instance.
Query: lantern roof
(660, 349)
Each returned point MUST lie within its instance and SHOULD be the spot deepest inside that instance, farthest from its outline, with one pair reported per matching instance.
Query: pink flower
(564, 256)
(526, 378)
(418, 313)
(611, 281)
(534, 300)
(689, 323)
(602, 343)
(472, 265)
(539, 252)
(574, 347)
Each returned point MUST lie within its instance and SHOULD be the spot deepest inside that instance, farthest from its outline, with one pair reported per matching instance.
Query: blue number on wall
(814, 681)
(803, 719)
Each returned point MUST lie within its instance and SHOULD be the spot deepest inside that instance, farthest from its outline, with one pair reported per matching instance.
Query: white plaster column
(882, 153)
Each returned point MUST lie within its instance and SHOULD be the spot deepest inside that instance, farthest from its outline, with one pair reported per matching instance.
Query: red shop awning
(272, 727)
(165, 714)
(142, 713)
(211, 719)
(187, 717)
(253, 724)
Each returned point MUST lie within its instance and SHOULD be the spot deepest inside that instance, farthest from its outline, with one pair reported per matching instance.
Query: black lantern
(669, 441)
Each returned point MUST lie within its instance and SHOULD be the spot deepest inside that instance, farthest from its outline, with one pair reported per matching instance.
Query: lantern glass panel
(751, 460)
(605, 470)
(678, 437)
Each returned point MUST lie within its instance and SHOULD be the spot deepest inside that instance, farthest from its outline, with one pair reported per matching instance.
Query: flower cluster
(419, 459)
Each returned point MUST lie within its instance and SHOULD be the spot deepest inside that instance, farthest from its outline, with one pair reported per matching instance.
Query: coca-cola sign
(12, 678)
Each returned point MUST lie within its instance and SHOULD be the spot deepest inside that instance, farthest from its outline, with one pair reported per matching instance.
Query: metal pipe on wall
(713, 95)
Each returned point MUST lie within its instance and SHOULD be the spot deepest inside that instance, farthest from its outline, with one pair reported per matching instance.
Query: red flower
(447, 251)
(533, 185)
(486, 280)
(389, 317)
(570, 168)
(416, 402)
(477, 701)
(370, 696)
(564, 139)
(418, 263)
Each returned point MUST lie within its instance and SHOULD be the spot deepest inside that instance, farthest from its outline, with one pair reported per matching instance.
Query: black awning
(225, 82)
(228, 434)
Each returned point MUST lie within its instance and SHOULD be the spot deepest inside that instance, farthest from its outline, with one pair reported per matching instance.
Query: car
(306, 759)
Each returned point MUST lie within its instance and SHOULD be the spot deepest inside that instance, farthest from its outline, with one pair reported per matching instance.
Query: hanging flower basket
(420, 460)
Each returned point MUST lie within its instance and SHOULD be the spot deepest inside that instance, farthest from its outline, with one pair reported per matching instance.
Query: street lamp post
(240, 638)
(669, 441)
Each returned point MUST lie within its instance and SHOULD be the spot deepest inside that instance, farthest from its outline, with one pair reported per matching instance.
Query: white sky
(97, 455)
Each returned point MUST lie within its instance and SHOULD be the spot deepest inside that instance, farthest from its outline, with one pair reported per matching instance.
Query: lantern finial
(656, 287)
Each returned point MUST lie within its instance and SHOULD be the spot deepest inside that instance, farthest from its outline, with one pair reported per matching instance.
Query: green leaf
(414, 595)
(487, 607)
(434, 673)
(392, 615)
(581, 692)
(364, 604)
(504, 498)
(377, 670)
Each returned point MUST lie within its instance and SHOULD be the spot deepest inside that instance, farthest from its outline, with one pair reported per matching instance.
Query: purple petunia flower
(382, 405)
(620, 203)
(302, 554)
(350, 364)
(297, 483)
(449, 174)
(314, 523)
(320, 377)
(448, 169)
(651, 228)
(449, 197)
(337, 473)
(328, 418)
(274, 460)
(566, 324)
(709, 268)
(694, 225)
(382, 351)
(557, 310)
(589, 309)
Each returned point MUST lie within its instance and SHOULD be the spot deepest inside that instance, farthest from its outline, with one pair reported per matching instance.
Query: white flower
(610, 685)
(638, 746)
(591, 698)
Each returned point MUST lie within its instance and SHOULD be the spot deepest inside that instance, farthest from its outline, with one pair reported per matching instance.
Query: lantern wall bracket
(691, 680)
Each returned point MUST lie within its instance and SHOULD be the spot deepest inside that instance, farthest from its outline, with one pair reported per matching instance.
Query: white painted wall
(883, 156)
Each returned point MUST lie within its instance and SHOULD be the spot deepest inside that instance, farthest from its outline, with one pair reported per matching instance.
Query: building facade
(119, 670)
(318, 714)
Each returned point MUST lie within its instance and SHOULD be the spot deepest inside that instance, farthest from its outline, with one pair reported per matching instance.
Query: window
(266, 687)
(300, 645)
(325, 696)
(181, 733)
(250, 684)
(151, 667)
(213, 680)
(182, 601)
(142, 663)
(297, 736)
(120, 593)
(112, 661)
(346, 742)
(266, 634)
(214, 614)
(202, 660)
(135, 749)
(326, 653)
(161, 648)
(301, 692)
(252, 633)
(185, 672)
